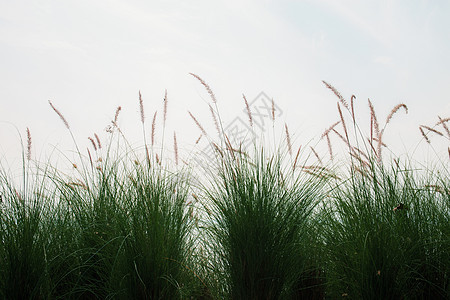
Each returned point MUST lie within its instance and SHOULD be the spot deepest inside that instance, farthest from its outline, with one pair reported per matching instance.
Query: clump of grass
(259, 228)
(387, 236)
(22, 256)
(118, 228)
(258, 218)
(38, 238)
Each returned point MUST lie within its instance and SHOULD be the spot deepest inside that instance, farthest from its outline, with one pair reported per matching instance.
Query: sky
(89, 57)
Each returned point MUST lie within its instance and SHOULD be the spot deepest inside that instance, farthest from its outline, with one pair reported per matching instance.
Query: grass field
(254, 223)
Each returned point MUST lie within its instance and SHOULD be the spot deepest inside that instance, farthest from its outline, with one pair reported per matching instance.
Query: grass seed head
(116, 115)
(424, 135)
(59, 114)
(432, 130)
(141, 108)
(165, 107)
(336, 92)
(394, 110)
(153, 127)
(98, 141)
(249, 113)
(288, 139)
(444, 125)
(175, 147)
(208, 89)
(93, 143)
(197, 123)
(28, 144)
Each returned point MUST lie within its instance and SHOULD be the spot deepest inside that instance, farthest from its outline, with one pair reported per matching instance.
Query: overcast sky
(88, 57)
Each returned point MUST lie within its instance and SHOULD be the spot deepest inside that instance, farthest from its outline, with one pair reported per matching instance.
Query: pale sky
(88, 57)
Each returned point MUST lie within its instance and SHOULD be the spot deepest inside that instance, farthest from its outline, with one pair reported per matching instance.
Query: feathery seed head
(116, 116)
(249, 113)
(59, 114)
(336, 92)
(175, 147)
(153, 128)
(394, 110)
(288, 139)
(141, 107)
(442, 121)
(373, 116)
(432, 130)
(424, 135)
(93, 143)
(327, 131)
(165, 106)
(273, 111)
(197, 123)
(98, 141)
(208, 89)
(28, 144)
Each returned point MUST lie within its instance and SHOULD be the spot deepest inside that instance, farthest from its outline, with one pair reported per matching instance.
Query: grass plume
(141, 108)
(153, 128)
(198, 124)
(432, 130)
(327, 131)
(98, 141)
(394, 110)
(249, 113)
(336, 92)
(351, 105)
(273, 111)
(444, 125)
(60, 115)
(288, 139)
(373, 116)
(207, 87)
(116, 115)
(175, 147)
(165, 106)
(93, 143)
(28, 144)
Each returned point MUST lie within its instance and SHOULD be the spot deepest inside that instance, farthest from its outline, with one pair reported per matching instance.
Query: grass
(253, 223)
(119, 230)
(260, 228)
(387, 236)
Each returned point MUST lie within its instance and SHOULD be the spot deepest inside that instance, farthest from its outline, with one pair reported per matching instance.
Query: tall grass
(259, 228)
(156, 259)
(117, 229)
(387, 236)
(386, 229)
(23, 239)
(259, 224)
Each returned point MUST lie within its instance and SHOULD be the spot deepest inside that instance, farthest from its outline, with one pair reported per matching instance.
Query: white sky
(88, 57)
